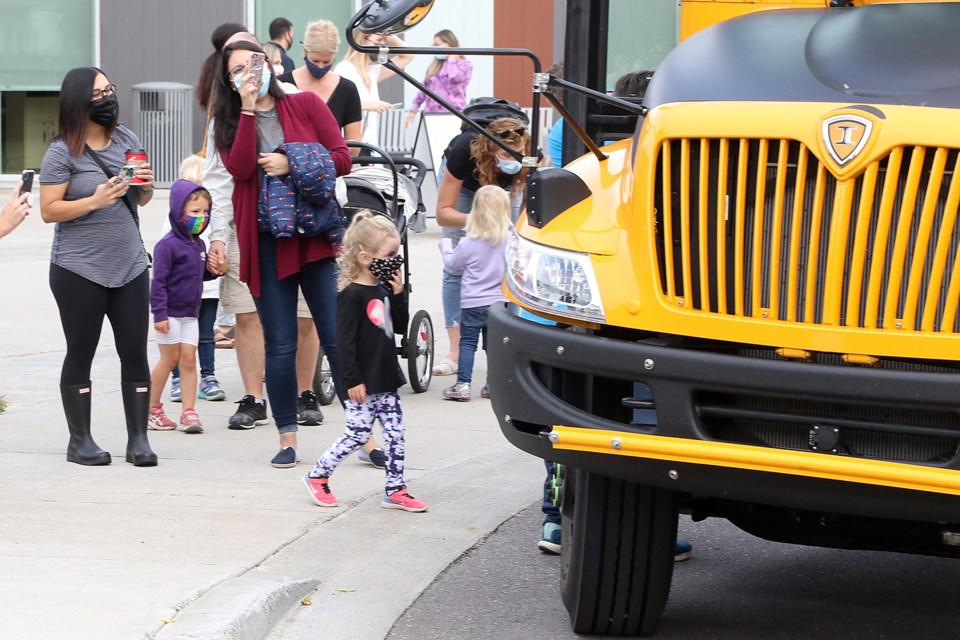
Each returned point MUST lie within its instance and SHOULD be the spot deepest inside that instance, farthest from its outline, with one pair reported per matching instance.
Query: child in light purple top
(447, 76)
(481, 255)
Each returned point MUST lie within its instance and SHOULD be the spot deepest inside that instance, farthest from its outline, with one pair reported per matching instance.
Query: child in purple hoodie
(179, 269)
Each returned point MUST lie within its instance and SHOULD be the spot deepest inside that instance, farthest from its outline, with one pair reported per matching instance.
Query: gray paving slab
(213, 542)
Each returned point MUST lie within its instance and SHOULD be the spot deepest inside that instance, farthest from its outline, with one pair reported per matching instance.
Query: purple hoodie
(179, 263)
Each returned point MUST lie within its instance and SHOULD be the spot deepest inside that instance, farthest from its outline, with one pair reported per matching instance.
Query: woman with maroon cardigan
(254, 117)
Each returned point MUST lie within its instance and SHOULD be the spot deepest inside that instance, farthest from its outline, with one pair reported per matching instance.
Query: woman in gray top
(98, 261)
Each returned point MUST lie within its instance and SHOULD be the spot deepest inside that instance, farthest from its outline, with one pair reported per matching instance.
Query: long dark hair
(75, 108)
(226, 101)
(208, 71)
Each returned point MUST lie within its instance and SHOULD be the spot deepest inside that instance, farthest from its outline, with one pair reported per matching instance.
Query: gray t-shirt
(104, 246)
(269, 133)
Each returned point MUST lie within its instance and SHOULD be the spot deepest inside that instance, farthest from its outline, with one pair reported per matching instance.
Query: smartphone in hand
(256, 67)
(27, 178)
(126, 173)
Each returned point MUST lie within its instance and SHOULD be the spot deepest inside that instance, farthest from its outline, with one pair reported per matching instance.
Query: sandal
(447, 367)
(222, 341)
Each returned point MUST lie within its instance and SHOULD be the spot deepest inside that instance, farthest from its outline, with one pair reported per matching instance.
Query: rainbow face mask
(194, 224)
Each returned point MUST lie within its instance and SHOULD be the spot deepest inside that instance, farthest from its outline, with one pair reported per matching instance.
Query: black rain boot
(76, 406)
(136, 408)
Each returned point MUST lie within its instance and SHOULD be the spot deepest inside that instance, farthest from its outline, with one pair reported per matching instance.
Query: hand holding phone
(255, 67)
(27, 178)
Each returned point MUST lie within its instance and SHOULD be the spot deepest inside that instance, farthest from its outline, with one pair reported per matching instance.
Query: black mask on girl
(104, 111)
(384, 268)
(316, 70)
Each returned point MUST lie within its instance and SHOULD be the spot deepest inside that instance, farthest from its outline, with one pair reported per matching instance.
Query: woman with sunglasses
(252, 118)
(473, 161)
(98, 262)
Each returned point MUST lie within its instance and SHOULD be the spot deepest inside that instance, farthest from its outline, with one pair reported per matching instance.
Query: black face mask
(316, 70)
(384, 268)
(104, 111)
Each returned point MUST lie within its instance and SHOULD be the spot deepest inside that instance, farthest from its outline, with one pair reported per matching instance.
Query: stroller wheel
(323, 380)
(420, 351)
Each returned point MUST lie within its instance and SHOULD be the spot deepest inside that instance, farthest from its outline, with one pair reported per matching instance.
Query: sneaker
(249, 414)
(308, 409)
(400, 499)
(319, 489)
(459, 392)
(190, 422)
(210, 389)
(286, 458)
(550, 541)
(682, 551)
(375, 458)
(158, 420)
(485, 392)
(174, 389)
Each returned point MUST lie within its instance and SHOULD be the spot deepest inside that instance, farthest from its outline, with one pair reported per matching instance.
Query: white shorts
(182, 331)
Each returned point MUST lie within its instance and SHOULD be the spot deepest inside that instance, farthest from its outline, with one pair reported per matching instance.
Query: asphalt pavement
(213, 542)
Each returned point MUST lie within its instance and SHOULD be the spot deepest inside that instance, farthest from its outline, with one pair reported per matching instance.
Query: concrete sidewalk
(213, 542)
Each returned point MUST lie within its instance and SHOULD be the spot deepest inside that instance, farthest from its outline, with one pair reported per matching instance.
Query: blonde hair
(489, 217)
(366, 232)
(359, 59)
(446, 36)
(192, 169)
(321, 36)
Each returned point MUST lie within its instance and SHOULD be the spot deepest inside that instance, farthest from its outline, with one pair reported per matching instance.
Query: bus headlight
(553, 280)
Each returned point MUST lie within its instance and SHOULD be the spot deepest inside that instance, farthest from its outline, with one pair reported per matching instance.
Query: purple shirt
(483, 264)
(450, 83)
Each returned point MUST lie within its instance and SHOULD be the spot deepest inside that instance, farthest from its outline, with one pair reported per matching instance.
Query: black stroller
(389, 186)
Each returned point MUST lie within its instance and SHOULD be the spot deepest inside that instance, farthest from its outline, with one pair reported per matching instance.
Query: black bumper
(542, 376)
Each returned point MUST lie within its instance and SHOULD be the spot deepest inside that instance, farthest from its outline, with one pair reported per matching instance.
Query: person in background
(555, 135)
(281, 32)
(480, 256)
(14, 211)
(473, 161)
(252, 118)
(371, 304)
(98, 264)
(321, 42)
(179, 269)
(447, 76)
(192, 169)
(364, 71)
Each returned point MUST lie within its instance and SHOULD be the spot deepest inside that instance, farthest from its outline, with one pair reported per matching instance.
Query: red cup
(135, 157)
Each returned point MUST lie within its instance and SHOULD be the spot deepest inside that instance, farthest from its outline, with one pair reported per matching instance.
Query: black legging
(83, 304)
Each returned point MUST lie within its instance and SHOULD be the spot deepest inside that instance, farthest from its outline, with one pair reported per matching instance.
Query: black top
(367, 318)
(462, 167)
(878, 54)
(344, 102)
(288, 64)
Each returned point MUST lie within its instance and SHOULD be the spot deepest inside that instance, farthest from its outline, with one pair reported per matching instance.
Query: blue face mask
(509, 167)
(264, 85)
(441, 57)
(316, 70)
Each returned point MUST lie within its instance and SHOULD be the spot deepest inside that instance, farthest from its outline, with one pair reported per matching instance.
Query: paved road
(734, 587)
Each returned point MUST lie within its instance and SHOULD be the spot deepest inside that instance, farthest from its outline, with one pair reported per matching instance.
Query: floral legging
(384, 407)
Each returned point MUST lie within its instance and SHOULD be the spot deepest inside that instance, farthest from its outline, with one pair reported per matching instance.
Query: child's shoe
(400, 499)
(550, 540)
(319, 489)
(158, 420)
(459, 392)
(190, 422)
(174, 389)
(210, 389)
(485, 392)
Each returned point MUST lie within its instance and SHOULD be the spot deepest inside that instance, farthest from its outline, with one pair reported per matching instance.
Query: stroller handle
(387, 159)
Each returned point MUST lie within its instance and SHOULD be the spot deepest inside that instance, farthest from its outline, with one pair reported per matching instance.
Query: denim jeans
(206, 347)
(277, 308)
(473, 324)
(450, 294)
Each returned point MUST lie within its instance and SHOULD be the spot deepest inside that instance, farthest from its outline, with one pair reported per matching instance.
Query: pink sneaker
(319, 489)
(158, 420)
(402, 500)
(190, 422)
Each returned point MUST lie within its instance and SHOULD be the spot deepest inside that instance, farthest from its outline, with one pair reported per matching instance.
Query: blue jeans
(206, 347)
(473, 324)
(277, 308)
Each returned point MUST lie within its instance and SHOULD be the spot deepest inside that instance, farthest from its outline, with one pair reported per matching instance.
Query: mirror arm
(570, 121)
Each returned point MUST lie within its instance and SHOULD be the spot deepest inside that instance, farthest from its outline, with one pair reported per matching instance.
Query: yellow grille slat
(703, 224)
(776, 229)
(890, 309)
(668, 225)
(880, 240)
(940, 260)
(795, 229)
(756, 262)
(867, 194)
(685, 220)
(739, 217)
(923, 236)
(813, 254)
(723, 205)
